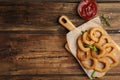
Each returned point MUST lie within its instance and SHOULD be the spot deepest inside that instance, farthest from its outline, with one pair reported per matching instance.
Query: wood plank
(42, 55)
(58, 77)
(29, 54)
(43, 16)
(57, 0)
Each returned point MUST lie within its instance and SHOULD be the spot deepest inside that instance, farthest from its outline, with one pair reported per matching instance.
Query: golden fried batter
(86, 39)
(99, 50)
(109, 47)
(100, 53)
(83, 55)
(106, 66)
(103, 40)
(93, 33)
(92, 62)
(81, 45)
(114, 60)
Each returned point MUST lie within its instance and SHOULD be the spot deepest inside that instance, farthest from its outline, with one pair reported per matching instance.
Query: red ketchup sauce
(87, 9)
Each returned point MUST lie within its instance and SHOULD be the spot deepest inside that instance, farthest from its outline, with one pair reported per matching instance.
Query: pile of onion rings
(95, 47)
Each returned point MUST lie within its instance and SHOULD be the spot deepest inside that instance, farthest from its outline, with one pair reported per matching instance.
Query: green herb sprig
(106, 20)
(83, 31)
(94, 48)
(92, 75)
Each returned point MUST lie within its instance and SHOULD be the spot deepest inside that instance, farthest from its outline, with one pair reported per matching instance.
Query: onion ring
(109, 45)
(81, 45)
(86, 39)
(93, 31)
(96, 50)
(82, 57)
(87, 66)
(99, 54)
(106, 65)
(102, 38)
(115, 61)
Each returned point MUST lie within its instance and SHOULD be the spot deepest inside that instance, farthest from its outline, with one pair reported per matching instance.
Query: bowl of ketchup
(87, 9)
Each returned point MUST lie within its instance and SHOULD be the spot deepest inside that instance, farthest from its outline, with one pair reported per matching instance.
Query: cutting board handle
(65, 21)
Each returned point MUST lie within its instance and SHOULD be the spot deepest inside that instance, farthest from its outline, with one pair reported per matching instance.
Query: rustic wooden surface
(32, 41)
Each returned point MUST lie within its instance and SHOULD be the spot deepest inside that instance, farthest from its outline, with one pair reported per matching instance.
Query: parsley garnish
(106, 20)
(94, 48)
(92, 75)
(83, 31)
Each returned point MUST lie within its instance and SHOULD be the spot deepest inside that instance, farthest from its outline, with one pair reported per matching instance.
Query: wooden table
(32, 41)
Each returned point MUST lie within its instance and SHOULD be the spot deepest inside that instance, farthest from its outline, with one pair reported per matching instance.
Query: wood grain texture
(58, 77)
(40, 54)
(43, 16)
(57, 1)
(32, 41)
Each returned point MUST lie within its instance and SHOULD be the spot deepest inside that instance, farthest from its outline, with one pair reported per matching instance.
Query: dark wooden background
(32, 41)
